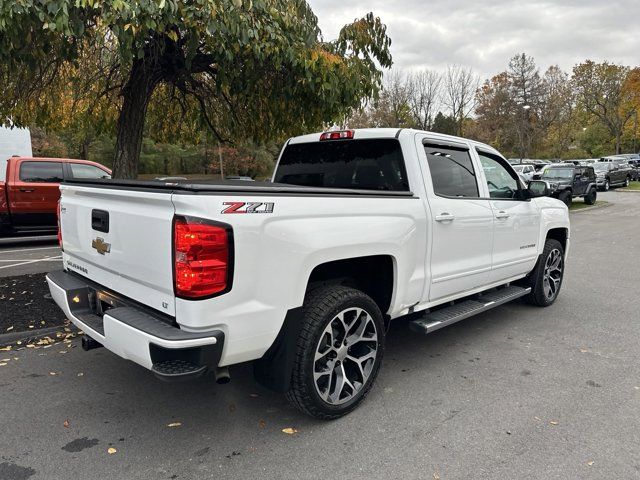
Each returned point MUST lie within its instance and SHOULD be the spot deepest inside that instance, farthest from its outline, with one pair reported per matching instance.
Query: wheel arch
(561, 234)
(375, 275)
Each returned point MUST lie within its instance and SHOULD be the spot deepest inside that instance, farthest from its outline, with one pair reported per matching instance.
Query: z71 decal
(247, 207)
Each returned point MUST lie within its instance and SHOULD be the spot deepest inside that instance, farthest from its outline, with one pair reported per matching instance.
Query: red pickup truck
(29, 190)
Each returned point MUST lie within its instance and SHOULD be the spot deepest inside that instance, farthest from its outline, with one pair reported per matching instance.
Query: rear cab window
(41, 172)
(452, 172)
(362, 164)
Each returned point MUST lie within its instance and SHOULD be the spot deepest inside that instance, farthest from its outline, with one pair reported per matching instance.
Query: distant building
(13, 141)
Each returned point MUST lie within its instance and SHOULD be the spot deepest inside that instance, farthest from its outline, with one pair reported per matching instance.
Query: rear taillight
(203, 257)
(337, 135)
(59, 225)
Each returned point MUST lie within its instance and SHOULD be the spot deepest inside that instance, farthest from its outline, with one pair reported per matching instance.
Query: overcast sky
(485, 34)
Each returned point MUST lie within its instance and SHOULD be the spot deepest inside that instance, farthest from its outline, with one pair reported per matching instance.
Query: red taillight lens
(59, 225)
(203, 254)
(338, 135)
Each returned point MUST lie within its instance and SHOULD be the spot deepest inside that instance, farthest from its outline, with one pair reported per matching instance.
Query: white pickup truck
(303, 274)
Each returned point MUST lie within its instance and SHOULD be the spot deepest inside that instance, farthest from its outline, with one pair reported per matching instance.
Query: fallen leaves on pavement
(553, 422)
(66, 424)
(174, 424)
(289, 431)
(590, 462)
(111, 450)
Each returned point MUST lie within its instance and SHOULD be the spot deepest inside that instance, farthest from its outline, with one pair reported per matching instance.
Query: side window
(452, 172)
(41, 172)
(501, 181)
(81, 170)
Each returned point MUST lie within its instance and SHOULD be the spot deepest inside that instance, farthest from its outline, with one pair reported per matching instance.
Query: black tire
(565, 197)
(591, 197)
(536, 279)
(320, 310)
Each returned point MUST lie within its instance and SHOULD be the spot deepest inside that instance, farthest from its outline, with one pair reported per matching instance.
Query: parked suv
(568, 181)
(612, 174)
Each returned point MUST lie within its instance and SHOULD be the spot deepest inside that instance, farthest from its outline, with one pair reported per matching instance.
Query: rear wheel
(338, 353)
(590, 198)
(546, 278)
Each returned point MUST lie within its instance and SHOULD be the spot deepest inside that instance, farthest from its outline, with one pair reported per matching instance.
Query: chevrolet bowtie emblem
(101, 246)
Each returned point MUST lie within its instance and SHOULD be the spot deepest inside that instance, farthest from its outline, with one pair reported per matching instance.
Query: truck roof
(362, 133)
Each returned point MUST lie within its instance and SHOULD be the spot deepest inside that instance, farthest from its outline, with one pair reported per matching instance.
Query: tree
(600, 91)
(257, 68)
(444, 124)
(424, 96)
(527, 97)
(460, 86)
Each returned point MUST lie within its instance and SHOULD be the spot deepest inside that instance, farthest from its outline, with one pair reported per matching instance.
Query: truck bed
(231, 186)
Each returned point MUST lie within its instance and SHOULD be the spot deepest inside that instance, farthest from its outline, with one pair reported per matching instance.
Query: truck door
(462, 222)
(516, 220)
(34, 192)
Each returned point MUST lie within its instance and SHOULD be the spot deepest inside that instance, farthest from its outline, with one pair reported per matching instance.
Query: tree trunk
(618, 142)
(145, 76)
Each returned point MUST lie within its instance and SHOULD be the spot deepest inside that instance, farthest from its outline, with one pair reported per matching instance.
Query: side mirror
(538, 188)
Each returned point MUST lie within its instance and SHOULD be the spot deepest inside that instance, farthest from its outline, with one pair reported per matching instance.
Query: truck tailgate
(122, 240)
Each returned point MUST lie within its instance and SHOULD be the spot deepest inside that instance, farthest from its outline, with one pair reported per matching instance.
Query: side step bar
(440, 318)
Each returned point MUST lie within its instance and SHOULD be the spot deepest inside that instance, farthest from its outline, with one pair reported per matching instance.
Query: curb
(622, 190)
(593, 207)
(31, 335)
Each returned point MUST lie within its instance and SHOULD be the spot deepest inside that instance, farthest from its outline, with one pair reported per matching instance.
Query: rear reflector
(203, 257)
(338, 135)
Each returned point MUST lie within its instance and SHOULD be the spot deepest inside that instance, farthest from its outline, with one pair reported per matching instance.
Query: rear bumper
(132, 332)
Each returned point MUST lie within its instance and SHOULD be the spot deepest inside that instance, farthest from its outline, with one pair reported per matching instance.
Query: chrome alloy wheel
(552, 274)
(345, 356)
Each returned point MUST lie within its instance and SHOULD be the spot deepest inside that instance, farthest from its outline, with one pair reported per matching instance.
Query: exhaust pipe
(222, 375)
(89, 343)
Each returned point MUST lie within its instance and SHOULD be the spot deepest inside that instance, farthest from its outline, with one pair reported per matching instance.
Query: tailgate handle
(100, 220)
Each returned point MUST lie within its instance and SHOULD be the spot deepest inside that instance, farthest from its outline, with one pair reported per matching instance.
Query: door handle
(444, 217)
(27, 190)
(502, 214)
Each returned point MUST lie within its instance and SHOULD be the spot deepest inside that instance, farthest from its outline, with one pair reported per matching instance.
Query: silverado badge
(101, 246)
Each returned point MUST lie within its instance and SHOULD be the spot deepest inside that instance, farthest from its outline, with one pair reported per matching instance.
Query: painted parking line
(29, 249)
(47, 259)
(30, 262)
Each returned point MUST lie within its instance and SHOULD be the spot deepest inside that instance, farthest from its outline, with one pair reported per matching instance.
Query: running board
(433, 321)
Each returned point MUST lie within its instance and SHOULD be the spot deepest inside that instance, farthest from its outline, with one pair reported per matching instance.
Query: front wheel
(566, 198)
(338, 353)
(546, 278)
(590, 198)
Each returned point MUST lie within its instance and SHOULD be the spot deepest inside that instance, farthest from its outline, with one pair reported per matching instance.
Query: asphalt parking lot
(517, 392)
(20, 258)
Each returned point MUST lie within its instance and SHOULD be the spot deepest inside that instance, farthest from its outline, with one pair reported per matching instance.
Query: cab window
(452, 172)
(501, 180)
(81, 170)
(41, 172)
